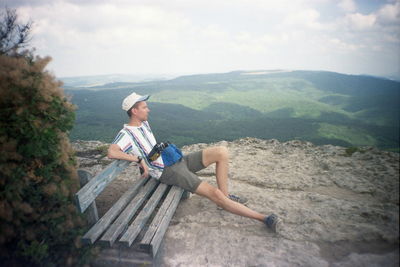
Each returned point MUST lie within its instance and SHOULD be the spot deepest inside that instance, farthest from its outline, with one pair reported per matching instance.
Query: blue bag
(171, 154)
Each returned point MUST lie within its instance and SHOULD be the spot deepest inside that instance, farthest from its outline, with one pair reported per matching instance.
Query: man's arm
(115, 152)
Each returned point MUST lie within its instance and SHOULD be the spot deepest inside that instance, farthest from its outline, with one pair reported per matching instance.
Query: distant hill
(92, 82)
(317, 106)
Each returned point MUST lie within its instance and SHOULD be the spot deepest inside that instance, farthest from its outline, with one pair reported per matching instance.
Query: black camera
(156, 151)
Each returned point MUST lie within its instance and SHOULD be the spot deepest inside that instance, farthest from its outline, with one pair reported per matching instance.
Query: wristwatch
(139, 159)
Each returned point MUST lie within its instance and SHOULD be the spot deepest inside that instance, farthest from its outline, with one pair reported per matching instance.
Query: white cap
(132, 99)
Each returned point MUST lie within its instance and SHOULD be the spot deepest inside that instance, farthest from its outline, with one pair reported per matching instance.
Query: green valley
(321, 107)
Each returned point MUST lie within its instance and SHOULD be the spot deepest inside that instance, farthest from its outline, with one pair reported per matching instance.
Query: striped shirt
(139, 141)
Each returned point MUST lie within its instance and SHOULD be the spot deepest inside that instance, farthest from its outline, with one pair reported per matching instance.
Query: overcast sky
(92, 37)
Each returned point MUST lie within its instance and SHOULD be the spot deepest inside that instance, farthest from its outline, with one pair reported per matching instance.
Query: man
(135, 141)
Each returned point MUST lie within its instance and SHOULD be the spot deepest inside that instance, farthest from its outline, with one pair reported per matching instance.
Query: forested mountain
(321, 107)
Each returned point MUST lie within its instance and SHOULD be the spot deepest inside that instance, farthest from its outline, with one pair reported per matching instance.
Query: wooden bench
(129, 218)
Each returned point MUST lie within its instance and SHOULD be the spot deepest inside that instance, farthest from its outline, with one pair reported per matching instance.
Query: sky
(96, 37)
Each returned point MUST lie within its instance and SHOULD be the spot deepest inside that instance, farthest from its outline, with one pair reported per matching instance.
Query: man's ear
(133, 111)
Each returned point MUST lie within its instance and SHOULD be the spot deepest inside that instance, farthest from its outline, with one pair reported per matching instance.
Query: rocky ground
(339, 208)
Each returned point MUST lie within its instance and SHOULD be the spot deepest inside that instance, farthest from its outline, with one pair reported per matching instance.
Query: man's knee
(222, 152)
(211, 192)
(215, 154)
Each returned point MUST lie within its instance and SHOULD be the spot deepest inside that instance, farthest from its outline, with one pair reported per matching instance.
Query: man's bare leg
(220, 156)
(216, 195)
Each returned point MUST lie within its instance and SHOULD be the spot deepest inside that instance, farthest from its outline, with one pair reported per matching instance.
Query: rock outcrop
(339, 208)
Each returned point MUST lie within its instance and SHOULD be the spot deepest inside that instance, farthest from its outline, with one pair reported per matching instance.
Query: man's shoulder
(123, 131)
(119, 137)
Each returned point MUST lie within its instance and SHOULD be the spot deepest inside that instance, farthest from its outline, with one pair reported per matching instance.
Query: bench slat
(157, 239)
(121, 223)
(144, 215)
(92, 215)
(153, 237)
(93, 234)
(87, 194)
(157, 219)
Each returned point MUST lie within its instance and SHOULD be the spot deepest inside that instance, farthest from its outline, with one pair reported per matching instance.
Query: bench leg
(91, 212)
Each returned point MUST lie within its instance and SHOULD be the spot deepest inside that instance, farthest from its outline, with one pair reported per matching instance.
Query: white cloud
(305, 17)
(359, 21)
(104, 25)
(348, 5)
(390, 13)
(136, 36)
(343, 46)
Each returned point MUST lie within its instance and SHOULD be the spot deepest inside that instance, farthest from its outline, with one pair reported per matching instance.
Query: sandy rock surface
(338, 210)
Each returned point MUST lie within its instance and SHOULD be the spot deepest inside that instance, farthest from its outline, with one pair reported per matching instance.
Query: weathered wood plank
(121, 223)
(92, 215)
(121, 256)
(153, 237)
(94, 233)
(162, 228)
(87, 194)
(157, 219)
(144, 215)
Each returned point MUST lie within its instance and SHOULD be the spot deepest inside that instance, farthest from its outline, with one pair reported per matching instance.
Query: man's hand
(145, 169)
(114, 152)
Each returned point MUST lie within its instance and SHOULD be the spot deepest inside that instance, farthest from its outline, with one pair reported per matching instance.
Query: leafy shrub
(39, 224)
(102, 150)
(351, 150)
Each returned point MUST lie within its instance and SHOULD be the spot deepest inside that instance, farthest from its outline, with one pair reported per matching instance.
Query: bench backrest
(88, 193)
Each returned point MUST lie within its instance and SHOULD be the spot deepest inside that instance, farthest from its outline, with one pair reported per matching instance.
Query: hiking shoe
(272, 221)
(241, 200)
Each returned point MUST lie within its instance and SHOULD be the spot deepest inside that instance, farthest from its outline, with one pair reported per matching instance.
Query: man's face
(141, 111)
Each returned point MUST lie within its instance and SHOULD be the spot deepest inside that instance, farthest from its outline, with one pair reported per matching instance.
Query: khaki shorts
(182, 173)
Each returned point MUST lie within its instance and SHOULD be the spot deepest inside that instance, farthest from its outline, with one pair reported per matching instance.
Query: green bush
(39, 224)
(351, 150)
(102, 150)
